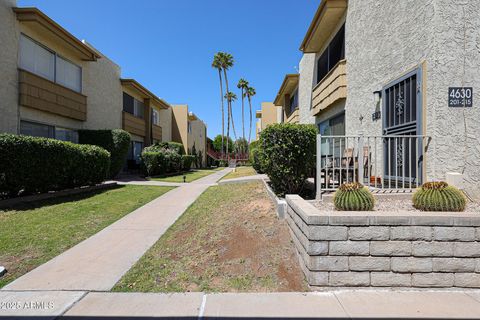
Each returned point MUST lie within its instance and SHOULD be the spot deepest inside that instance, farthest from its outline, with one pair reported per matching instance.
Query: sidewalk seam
(341, 304)
(202, 306)
(71, 306)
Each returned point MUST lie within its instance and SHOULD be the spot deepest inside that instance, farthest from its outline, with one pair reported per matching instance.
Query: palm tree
(250, 92)
(243, 85)
(217, 64)
(230, 96)
(227, 63)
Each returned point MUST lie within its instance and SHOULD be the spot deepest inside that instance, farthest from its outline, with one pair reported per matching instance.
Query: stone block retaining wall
(382, 249)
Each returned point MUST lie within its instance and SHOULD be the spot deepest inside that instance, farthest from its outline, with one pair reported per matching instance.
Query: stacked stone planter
(382, 249)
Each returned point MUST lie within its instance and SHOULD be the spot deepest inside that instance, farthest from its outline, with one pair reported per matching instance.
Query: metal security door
(402, 123)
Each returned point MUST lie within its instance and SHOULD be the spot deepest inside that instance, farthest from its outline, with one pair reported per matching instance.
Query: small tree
(217, 144)
(241, 145)
(288, 155)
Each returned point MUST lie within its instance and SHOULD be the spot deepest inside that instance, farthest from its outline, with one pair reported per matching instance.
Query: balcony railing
(331, 88)
(293, 117)
(379, 162)
(133, 124)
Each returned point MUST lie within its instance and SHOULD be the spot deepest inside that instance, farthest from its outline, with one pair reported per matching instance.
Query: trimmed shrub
(353, 197)
(158, 161)
(439, 196)
(187, 161)
(256, 156)
(154, 163)
(174, 146)
(114, 141)
(31, 165)
(287, 155)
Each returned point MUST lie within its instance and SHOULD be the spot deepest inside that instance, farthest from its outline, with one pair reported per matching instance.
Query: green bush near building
(114, 141)
(31, 165)
(286, 153)
(165, 157)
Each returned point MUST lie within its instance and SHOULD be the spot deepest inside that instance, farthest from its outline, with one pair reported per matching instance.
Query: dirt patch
(230, 240)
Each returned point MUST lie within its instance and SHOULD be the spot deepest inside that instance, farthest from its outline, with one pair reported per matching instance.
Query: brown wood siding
(42, 94)
(156, 132)
(133, 124)
(332, 88)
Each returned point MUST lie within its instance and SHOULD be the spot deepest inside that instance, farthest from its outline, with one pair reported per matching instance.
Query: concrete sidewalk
(97, 263)
(343, 304)
(243, 179)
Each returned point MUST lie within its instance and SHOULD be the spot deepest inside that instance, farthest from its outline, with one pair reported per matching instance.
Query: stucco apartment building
(405, 68)
(52, 85)
(190, 131)
(268, 114)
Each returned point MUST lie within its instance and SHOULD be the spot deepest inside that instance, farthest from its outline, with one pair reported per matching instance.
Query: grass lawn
(229, 240)
(191, 175)
(31, 234)
(240, 172)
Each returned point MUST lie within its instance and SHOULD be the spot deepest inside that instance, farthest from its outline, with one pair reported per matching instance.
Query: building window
(294, 101)
(155, 117)
(37, 59)
(133, 106)
(66, 134)
(332, 127)
(68, 74)
(332, 55)
(135, 151)
(47, 64)
(189, 127)
(37, 129)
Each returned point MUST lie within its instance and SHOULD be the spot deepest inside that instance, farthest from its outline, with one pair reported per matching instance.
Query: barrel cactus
(439, 196)
(353, 197)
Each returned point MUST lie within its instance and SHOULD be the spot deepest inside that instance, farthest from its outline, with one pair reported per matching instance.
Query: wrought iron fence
(379, 162)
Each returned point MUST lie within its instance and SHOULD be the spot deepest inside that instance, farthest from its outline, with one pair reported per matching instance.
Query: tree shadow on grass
(36, 204)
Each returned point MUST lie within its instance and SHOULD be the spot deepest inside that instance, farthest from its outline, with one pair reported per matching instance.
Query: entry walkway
(343, 304)
(97, 263)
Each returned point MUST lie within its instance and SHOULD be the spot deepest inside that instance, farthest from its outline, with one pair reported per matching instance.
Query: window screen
(68, 74)
(36, 129)
(36, 59)
(128, 103)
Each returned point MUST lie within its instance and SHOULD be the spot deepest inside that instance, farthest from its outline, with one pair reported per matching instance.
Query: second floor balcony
(331, 88)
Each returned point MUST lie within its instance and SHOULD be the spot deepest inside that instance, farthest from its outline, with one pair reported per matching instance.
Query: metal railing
(379, 162)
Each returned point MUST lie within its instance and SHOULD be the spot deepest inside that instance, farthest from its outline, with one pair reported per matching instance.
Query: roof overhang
(144, 92)
(37, 19)
(288, 86)
(326, 19)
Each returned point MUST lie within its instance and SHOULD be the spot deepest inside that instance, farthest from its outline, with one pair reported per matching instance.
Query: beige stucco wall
(9, 35)
(270, 114)
(166, 124)
(198, 138)
(179, 124)
(102, 86)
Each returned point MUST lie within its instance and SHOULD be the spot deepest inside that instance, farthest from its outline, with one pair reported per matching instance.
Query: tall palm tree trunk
(230, 105)
(243, 119)
(223, 111)
(251, 119)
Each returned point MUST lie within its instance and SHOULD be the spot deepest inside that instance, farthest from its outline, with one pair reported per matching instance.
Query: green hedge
(287, 154)
(114, 141)
(187, 161)
(174, 146)
(30, 165)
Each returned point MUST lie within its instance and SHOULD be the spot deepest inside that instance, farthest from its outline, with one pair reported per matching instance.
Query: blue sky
(168, 46)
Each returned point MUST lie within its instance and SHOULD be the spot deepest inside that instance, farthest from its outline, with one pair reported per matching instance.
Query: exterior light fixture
(377, 96)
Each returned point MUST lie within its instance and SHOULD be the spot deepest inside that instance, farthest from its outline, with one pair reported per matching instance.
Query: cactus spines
(439, 196)
(353, 197)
